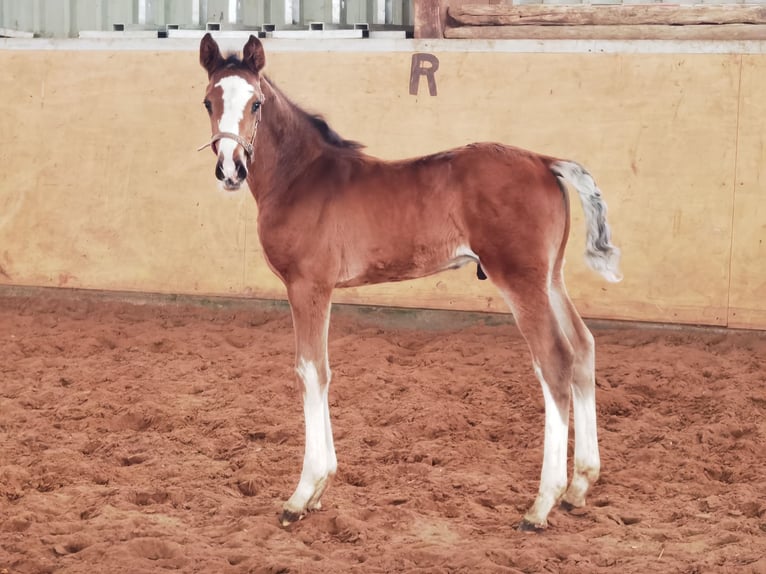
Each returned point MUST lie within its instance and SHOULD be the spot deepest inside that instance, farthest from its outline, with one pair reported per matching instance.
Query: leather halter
(248, 146)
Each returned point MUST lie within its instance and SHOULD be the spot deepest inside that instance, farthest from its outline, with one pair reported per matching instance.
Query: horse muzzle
(232, 178)
(232, 172)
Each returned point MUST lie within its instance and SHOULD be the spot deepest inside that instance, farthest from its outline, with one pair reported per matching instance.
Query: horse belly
(386, 265)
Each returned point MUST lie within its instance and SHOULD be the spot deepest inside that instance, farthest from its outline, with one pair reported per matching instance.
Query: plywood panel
(105, 189)
(748, 253)
(109, 193)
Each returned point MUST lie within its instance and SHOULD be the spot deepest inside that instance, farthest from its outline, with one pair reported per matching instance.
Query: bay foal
(331, 216)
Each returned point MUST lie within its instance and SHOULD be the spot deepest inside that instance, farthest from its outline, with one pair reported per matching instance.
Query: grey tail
(600, 254)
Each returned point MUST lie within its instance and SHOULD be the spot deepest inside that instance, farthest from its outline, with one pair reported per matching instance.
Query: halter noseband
(248, 146)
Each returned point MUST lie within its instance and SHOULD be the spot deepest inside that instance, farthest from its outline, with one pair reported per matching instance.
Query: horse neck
(285, 145)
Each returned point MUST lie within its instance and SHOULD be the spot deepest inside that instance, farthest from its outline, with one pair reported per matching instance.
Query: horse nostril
(241, 171)
(219, 171)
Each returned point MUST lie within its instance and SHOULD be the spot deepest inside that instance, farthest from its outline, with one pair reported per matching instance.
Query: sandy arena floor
(144, 438)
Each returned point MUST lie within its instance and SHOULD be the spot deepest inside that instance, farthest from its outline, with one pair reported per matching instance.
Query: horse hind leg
(587, 462)
(553, 360)
(310, 305)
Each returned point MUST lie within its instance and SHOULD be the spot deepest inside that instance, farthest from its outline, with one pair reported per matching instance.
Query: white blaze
(236, 94)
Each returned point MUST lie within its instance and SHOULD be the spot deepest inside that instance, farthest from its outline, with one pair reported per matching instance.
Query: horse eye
(255, 107)
(208, 106)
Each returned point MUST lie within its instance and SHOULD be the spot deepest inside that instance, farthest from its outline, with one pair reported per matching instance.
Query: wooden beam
(646, 32)
(428, 19)
(594, 15)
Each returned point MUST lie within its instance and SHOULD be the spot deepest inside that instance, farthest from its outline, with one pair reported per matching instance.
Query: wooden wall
(102, 187)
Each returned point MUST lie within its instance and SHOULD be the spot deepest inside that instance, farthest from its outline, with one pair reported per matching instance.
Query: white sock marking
(332, 461)
(553, 478)
(587, 458)
(318, 459)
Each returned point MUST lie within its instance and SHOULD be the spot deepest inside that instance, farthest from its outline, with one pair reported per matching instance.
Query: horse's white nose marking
(236, 94)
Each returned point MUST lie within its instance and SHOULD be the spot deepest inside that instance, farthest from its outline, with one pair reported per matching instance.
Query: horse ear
(253, 55)
(209, 54)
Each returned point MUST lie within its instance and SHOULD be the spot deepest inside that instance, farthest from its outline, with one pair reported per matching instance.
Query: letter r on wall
(423, 65)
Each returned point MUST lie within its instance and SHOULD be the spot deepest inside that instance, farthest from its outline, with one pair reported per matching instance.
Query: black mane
(328, 134)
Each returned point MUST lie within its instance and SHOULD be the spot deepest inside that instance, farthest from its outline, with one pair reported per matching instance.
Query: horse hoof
(568, 506)
(288, 517)
(527, 526)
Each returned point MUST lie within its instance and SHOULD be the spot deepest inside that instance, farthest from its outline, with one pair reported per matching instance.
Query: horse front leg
(310, 305)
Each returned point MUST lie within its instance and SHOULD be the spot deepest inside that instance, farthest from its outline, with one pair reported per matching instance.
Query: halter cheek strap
(248, 146)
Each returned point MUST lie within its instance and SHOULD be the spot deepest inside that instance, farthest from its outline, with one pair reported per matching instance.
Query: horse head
(233, 100)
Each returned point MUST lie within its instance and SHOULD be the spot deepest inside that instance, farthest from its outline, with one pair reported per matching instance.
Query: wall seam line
(734, 190)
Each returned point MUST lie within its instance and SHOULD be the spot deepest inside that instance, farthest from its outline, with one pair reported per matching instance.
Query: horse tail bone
(600, 254)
